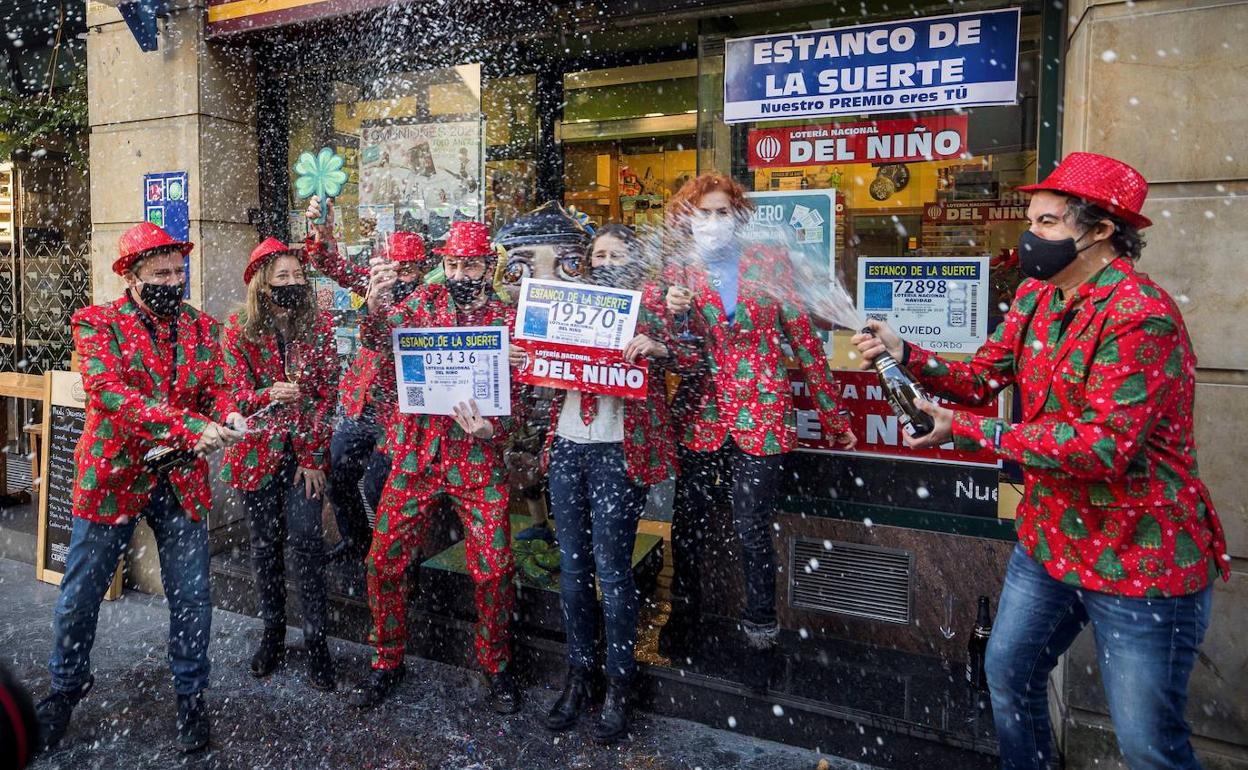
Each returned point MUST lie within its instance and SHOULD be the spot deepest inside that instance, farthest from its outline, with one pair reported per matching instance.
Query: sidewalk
(435, 722)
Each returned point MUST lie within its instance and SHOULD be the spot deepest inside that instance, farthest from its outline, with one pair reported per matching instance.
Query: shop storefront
(486, 113)
(883, 552)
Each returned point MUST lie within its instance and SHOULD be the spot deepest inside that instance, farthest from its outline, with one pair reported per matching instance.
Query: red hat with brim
(406, 247)
(1101, 180)
(268, 249)
(138, 241)
(467, 239)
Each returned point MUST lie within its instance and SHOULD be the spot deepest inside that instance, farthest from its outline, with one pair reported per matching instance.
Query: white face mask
(711, 234)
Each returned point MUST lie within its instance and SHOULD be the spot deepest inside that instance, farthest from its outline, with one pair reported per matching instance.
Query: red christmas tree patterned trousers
(403, 517)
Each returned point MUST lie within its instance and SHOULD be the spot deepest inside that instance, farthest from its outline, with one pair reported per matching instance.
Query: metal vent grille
(865, 581)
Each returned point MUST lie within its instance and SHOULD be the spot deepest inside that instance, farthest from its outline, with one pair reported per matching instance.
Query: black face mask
(615, 276)
(403, 288)
(465, 290)
(290, 296)
(164, 301)
(1042, 259)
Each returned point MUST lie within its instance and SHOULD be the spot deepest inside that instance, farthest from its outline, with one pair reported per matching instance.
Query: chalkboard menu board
(64, 412)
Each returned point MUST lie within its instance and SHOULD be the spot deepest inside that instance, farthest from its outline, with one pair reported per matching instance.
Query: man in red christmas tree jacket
(1116, 528)
(458, 457)
(154, 375)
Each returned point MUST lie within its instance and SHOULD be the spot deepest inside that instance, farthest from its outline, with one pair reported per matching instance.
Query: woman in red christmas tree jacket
(357, 451)
(738, 416)
(281, 358)
(1115, 527)
(458, 457)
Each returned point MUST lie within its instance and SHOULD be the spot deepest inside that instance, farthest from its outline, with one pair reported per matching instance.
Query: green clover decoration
(320, 175)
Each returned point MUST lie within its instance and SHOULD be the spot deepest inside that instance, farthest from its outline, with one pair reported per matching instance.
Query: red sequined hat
(267, 249)
(1108, 183)
(406, 247)
(467, 239)
(142, 238)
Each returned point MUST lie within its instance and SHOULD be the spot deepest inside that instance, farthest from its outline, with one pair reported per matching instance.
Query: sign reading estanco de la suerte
(937, 63)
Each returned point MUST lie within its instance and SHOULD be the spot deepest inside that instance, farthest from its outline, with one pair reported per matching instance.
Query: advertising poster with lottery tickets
(439, 367)
(804, 222)
(431, 173)
(937, 303)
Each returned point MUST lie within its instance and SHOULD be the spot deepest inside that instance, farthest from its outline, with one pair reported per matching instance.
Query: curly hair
(688, 196)
(1126, 240)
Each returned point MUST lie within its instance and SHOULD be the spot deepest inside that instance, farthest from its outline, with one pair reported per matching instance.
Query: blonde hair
(256, 315)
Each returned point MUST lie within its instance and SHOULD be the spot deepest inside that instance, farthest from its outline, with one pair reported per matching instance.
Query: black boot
(571, 702)
(678, 636)
(759, 654)
(53, 713)
(504, 694)
(271, 653)
(613, 722)
(320, 666)
(376, 687)
(193, 725)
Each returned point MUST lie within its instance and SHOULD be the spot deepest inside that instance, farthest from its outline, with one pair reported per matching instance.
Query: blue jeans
(596, 508)
(354, 456)
(94, 550)
(1145, 648)
(275, 511)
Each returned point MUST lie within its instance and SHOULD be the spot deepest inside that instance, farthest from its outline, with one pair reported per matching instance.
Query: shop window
(629, 139)
(912, 191)
(412, 144)
(960, 203)
(509, 107)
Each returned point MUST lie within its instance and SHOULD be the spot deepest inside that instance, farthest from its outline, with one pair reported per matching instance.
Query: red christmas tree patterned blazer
(1113, 500)
(745, 392)
(147, 386)
(252, 367)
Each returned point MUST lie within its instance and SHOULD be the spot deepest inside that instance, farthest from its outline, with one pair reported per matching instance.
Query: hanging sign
(439, 367)
(936, 63)
(873, 141)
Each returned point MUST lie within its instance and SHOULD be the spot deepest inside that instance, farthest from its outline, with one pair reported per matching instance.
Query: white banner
(440, 367)
(939, 303)
(577, 314)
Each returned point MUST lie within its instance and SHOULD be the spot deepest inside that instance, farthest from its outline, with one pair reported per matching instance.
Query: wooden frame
(60, 389)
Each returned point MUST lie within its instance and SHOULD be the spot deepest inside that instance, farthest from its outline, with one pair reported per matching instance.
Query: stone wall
(1160, 84)
(189, 106)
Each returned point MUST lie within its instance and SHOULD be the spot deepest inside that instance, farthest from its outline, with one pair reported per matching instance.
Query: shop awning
(228, 17)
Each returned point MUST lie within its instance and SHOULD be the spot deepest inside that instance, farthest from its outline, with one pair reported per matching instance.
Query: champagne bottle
(977, 646)
(163, 459)
(902, 390)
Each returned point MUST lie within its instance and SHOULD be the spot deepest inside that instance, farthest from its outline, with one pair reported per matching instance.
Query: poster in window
(939, 303)
(430, 172)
